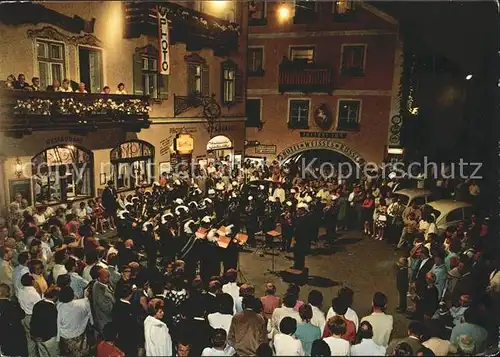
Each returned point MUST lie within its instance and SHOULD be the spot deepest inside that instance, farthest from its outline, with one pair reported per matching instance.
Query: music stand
(274, 234)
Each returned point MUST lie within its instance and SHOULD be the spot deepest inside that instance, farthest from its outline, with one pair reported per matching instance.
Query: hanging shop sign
(323, 117)
(184, 144)
(321, 144)
(219, 142)
(265, 149)
(323, 135)
(163, 37)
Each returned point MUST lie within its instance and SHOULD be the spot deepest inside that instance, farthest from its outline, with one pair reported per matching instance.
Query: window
(255, 61)
(198, 75)
(150, 76)
(353, 60)
(62, 173)
(455, 215)
(50, 61)
(229, 85)
(257, 13)
(147, 80)
(348, 115)
(302, 54)
(132, 164)
(298, 114)
(343, 7)
(305, 12)
(420, 201)
(232, 84)
(253, 113)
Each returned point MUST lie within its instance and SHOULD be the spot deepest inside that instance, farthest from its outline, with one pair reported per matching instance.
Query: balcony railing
(23, 112)
(197, 30)
(297, 76)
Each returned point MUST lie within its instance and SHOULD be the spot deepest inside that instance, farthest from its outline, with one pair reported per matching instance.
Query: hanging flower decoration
(72, 106)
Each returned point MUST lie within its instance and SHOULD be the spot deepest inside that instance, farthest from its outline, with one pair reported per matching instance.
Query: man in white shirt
(279, 313)
(231, 287)
(220, 346)
(381, 322)
(338, 346)
(28, 297)
(59, 268)
(367, 347)
(315, 299)
(20, 270)
(284, 342)
(347, 294)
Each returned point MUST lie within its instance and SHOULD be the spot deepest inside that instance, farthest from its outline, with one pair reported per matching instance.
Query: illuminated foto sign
(184, 144)
(163, 36)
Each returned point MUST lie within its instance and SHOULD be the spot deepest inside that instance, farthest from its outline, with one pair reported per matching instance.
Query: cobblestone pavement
(364, 265)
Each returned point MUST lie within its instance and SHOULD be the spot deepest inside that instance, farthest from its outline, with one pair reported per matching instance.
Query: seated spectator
(339, 306)
(219, 345)
(270, 301)
(415, 336)
(55, 87)
(436, 343)
(35, 84)
(402, 349)
(295, 290)
(121, 89)
(222, 318)
(264, 350)
(366, 346)
(107, 347)
(106, 90)
(81, 88)
(338, 346)
(381, 322)
(348, 295)
(315, 300)
(320, 349)
(470, 331)
(21, 82)
(306, 332)
(285, 344)
(66, 87)
(9, 83)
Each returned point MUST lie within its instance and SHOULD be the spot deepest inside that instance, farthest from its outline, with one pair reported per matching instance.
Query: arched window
(63, 173)
(133, 164)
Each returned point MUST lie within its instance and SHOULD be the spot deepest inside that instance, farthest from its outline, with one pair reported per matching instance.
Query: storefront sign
(63, 140)
(323, 135)
(321, 144)
(224, 127)
(163, 36)
(184, 129)
(323, 117)
(265, 149)
(219, 142)
(184, 144)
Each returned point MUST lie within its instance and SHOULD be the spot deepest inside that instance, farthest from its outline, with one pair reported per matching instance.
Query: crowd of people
(167, 286)
(67, 85)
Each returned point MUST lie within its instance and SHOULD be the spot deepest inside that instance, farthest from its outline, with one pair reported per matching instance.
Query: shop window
(348, 115)
(255, 61)
(132, 164)
(63, 173)
(298, 114)
(50, 62)
(353, 60)
(147, 80)
(302, 54)
(253, 109)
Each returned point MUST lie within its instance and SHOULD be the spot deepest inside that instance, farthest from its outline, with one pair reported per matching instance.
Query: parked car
(448, 213)
(408, 196)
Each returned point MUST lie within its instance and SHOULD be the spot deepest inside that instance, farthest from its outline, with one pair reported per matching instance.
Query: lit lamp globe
(283, 13)
(219, 4)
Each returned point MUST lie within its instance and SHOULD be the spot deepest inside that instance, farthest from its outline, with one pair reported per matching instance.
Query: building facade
(183, 101)
(322, 75)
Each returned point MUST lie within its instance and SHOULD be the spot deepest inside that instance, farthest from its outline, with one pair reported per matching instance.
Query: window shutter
(190, 82)
(239, 87)
(163, 86)
(205, 80)
(137, 68)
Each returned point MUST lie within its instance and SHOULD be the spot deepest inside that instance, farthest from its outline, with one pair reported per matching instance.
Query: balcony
(197, 30)
(24, 112)
(298, 76)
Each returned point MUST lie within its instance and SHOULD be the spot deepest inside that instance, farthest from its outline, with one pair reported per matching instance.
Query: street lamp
(283, 12)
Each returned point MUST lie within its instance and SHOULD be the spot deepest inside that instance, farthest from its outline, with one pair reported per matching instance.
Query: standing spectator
(65, 86)
(224, 315)
(231, 287)
(470, 328)
(381, 322)
(19, 271)
(366, 345)
(423, 267)
(220, 346)
(315, 300)
(28, 297)
(415, 334)
(35, 84)
(439, 271)
(156, 334)
(37, 271)
(59, 268)
(107, 347)
(12, 336)
(77, 283)
(43, 325)
(270, 301)
(248, 329)
(368, 207)
(284, 342)
(126, 322)
(338, 345)
(73, 316)
(109, 203)
(6, 268)
(21, 82)
(306, 332)
(106, 90)
(81, 88)
(103, 299)
(402, 283)
(121, 89)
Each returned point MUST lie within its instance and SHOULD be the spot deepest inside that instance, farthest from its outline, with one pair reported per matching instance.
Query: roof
(448, 205)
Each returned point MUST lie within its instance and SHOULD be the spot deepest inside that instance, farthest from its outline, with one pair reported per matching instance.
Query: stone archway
(321, 145)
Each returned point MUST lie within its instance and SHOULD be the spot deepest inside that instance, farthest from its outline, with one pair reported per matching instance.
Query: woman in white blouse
(156, 335)
(224, 315)
(73, 316)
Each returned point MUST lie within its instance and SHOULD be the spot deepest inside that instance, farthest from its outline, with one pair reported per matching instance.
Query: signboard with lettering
(265, 149)
(219, 142)
(163, 37)
(63, 140)
(324, 135)
(184, 144)
(321, 144)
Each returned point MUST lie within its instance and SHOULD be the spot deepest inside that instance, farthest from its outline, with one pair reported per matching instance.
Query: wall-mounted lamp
(284, 12)
(18, 168)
